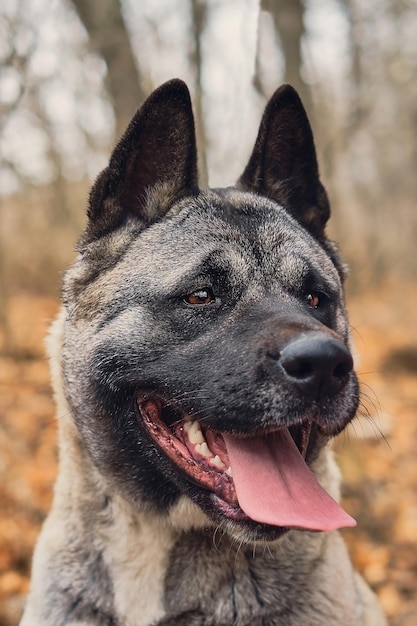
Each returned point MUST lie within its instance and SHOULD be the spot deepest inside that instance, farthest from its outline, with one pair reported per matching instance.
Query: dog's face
(205, 352)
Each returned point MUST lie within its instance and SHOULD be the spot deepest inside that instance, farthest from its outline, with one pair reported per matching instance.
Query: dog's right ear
(158, 151)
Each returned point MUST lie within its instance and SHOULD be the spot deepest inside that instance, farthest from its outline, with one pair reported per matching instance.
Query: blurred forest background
(73, 72)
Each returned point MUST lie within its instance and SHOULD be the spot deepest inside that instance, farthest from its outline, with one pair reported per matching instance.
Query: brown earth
(377, 454)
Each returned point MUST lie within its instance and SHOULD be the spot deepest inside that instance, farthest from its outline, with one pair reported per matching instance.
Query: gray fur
(135, 537)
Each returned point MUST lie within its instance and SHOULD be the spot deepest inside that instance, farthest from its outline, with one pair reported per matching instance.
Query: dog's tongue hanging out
(275, 486)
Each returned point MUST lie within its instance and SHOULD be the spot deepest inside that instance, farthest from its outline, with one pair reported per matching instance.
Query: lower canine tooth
(229, 471)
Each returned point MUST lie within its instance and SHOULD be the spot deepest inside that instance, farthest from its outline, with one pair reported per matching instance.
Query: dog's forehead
(243, 230)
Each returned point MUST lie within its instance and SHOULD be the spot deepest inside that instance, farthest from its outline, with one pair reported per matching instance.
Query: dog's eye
(313, 300)
(200, 297)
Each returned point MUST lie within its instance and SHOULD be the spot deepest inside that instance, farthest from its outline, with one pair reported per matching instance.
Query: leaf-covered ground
(377, 454)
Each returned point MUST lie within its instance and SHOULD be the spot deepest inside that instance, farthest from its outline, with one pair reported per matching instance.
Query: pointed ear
(153, 165)
(283, 165)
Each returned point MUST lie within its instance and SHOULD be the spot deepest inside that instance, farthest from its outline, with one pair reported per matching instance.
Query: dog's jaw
(287, 496)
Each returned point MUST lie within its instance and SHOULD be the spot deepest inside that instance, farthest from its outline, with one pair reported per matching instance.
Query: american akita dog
(201, 366)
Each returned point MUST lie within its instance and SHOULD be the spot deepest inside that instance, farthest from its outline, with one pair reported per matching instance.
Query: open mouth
(260, 476)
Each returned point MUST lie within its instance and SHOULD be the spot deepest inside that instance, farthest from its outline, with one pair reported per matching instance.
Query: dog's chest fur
(136, 551)
(153, 574)
(200, 577)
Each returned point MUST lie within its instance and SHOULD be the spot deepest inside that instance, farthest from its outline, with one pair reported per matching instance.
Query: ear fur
(283, 165)
(157, 151)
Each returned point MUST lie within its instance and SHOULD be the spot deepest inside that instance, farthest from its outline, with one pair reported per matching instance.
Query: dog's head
(206, 345)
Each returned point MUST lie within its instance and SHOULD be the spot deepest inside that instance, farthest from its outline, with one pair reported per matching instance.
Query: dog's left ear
(283, 165)
(153, 165)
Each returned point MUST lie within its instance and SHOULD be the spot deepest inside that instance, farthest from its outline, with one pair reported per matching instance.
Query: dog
(201, 366)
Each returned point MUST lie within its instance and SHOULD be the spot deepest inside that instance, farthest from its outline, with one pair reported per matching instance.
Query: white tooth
(217, 462)
(202, 448)
(229, 471)
(194, 432)
(195, 435)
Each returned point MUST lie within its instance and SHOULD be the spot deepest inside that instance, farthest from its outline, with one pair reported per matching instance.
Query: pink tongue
(275, 486)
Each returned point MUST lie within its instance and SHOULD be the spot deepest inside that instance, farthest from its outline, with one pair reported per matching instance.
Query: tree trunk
(198, 12)
(104, 23)
(289, 25)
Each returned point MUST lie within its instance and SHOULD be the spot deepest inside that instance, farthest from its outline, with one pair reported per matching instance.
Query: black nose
(317, 364)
